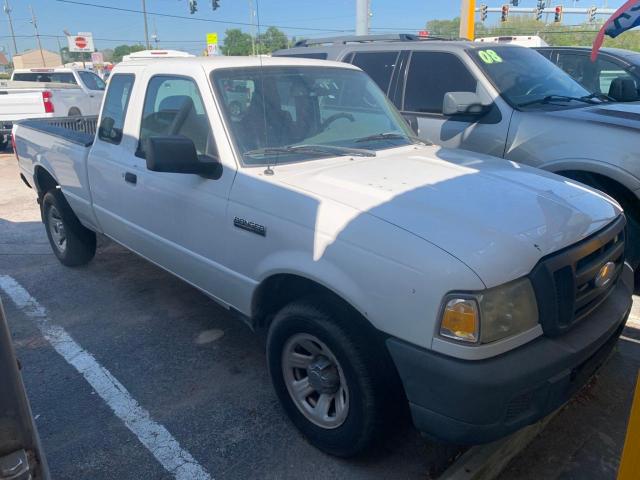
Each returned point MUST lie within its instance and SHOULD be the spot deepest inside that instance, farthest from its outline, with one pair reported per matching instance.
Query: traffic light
(484, 12)
(215, 4)
(540, 10)
(592, 14)
(505, 13)
(558, 15)
(193, 6)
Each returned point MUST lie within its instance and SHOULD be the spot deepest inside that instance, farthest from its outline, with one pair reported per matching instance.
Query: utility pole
(362, 17)
(468, 19)
(252, 16)
(35, 27)
(7, 10)
(146, 27)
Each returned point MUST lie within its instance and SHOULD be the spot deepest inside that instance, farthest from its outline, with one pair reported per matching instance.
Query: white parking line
(151, 434)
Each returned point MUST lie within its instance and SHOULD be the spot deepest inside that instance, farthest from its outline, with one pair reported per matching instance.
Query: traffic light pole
(468, 19)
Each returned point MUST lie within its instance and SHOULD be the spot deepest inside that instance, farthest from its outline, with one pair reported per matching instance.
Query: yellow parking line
(630, 462)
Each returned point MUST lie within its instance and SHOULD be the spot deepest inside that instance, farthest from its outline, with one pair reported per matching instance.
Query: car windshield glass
(526, 79)
(325, 111)
(92, 81)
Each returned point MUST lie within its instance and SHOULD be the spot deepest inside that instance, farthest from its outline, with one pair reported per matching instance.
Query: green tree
(271, 40)
(122, 50)
(236, 42)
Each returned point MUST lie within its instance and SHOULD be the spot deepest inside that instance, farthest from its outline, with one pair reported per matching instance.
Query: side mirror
(463, 103)
(177, 154)
(107, 130)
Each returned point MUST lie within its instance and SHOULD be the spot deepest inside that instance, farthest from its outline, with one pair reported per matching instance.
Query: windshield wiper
(391, 136)
(599, 96)
(560, 98)
(312, 150)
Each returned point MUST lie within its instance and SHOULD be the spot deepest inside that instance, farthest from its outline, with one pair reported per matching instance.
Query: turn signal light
(461, 320)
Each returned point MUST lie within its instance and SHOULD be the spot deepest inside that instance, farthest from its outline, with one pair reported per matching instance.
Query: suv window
(378, 65)
(596, 77)
(173, 106)
(115, 108)
(432, 75)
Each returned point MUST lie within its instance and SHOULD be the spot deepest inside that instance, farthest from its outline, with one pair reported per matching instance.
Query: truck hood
(624, 115)
(497, 217)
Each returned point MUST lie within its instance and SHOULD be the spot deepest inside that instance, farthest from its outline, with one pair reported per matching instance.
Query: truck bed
(79, 130)
(60, 146)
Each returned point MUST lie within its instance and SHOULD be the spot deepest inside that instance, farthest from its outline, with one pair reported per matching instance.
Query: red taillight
(46, 100)
(13, 145)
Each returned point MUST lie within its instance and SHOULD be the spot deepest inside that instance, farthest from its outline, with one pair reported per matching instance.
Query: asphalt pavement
(198, 374)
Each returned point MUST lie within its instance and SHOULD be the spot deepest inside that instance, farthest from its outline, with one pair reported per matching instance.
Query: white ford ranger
(389, 273)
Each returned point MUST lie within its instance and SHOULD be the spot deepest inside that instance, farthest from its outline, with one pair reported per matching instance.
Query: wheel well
(74, 111)
(44, 181)
(619, 192)
(278, 290)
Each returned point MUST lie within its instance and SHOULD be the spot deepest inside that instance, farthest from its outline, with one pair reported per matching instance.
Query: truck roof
(216, 62)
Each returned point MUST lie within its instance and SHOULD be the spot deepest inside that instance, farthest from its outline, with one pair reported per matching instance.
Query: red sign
(423, 33)
(81, 42)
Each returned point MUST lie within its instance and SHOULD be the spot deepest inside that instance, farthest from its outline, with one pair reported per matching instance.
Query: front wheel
(72, 243)
(328, 380)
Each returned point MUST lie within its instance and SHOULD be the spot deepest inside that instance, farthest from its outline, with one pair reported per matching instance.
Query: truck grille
(569, 284)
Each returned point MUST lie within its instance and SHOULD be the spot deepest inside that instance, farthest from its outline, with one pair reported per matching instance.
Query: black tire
(3, 144)
(363, 361)
(79, 245)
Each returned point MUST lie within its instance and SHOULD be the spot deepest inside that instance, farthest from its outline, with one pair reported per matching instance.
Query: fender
(621, 176)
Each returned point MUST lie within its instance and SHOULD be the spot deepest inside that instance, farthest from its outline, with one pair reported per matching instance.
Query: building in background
(4, 63)
(33, 59)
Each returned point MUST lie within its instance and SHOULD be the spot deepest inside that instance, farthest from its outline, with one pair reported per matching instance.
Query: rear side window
(115, 108)
(173, 106)
(378, 65)
(432, 75)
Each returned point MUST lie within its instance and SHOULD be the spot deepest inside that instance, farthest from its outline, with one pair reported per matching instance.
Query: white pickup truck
(388, 272)
(24, 99)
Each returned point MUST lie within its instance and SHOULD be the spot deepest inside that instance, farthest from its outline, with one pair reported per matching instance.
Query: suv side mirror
(177, 154)
(463, 103)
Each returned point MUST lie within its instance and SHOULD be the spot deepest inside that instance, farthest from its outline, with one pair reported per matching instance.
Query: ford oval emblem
(605, 275)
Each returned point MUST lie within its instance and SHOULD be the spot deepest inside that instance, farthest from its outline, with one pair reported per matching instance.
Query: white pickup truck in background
(20, 100)
(391, 274)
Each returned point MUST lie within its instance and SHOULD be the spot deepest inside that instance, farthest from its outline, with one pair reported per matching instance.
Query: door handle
(130, 178)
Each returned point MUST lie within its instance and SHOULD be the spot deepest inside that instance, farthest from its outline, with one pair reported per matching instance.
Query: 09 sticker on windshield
(489, 56)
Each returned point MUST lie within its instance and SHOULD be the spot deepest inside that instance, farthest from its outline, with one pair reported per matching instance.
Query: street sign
(82, 42)
(97, 58)
(212, 43)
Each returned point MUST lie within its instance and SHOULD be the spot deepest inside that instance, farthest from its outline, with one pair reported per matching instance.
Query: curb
(486, 462)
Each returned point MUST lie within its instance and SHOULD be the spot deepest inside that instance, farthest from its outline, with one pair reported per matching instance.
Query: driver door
(430, 76)
(176, 220)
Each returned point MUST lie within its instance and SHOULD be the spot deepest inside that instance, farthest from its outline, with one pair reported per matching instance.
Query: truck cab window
(173, 106)
(378, 65)
(431, 75)
(92, 81)
(115, 107)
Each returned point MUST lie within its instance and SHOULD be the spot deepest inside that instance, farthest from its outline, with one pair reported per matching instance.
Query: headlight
(490, 315)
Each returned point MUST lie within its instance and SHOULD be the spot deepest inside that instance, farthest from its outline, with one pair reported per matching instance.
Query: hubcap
(315, 381)
(56, 228)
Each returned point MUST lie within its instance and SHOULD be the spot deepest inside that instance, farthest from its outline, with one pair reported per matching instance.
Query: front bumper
(471, 402)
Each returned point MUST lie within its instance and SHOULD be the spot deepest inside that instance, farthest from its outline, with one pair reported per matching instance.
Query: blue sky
(111, 28)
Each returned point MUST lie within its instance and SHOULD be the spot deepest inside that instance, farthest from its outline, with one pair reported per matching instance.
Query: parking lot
(201, 375)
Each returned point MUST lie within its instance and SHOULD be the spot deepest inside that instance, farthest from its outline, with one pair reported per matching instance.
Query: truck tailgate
(19, 104)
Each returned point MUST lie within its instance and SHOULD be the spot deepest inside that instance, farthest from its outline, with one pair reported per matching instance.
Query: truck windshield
(526, 79)
(292, 114)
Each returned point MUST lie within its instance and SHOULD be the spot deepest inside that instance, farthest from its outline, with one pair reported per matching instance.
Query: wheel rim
(56, 229)
(315, 381)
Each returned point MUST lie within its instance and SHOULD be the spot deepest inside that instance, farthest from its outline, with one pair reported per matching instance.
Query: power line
(182, 17)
